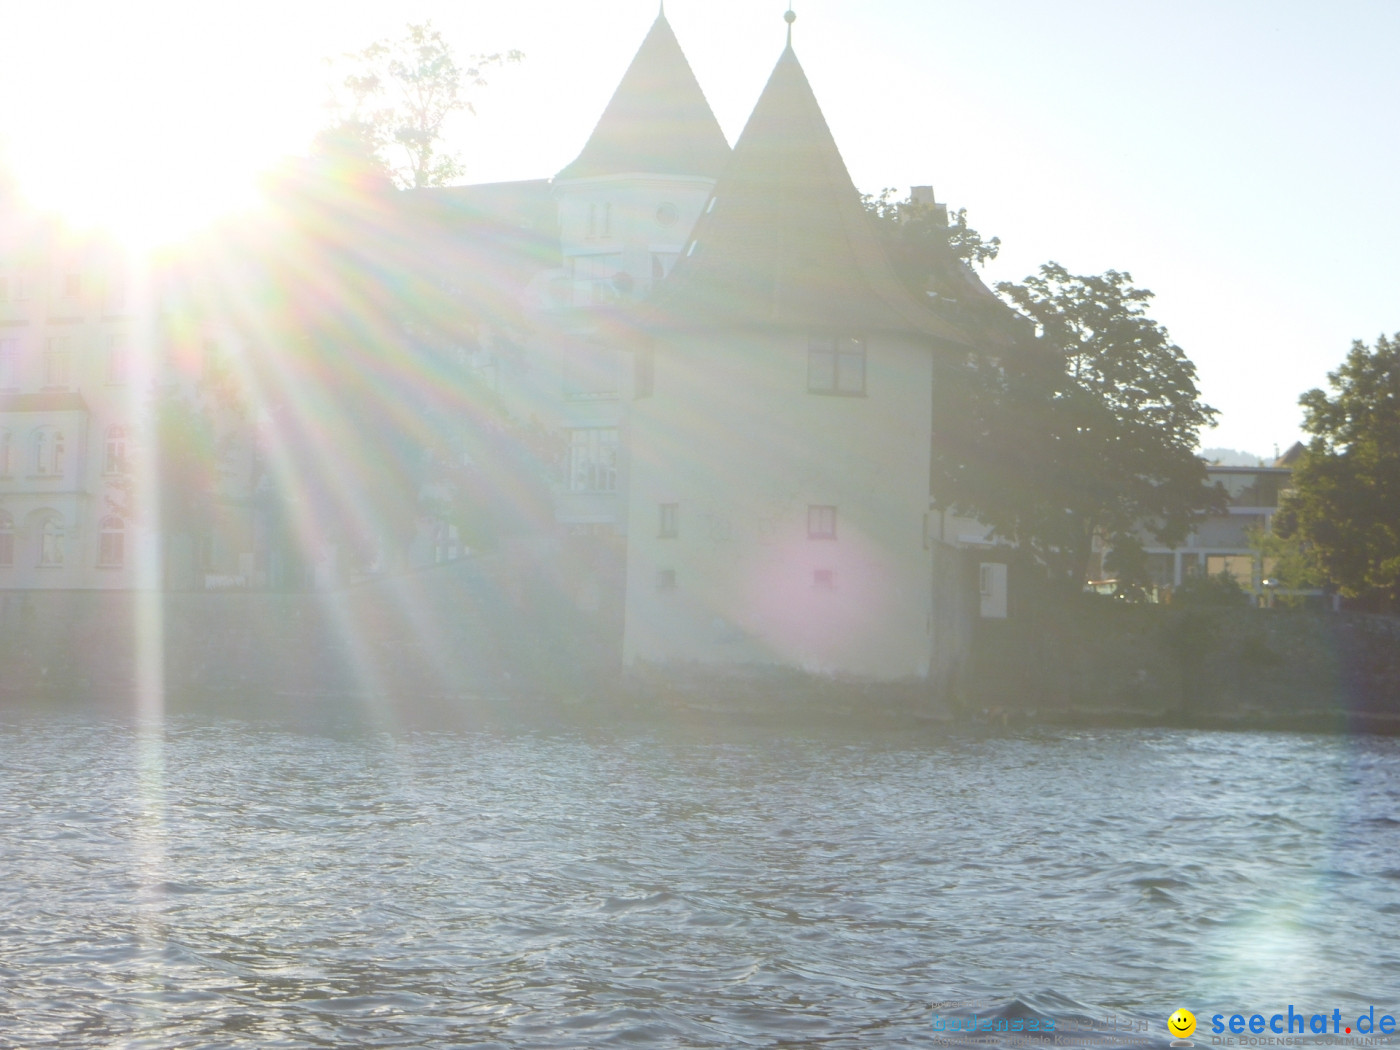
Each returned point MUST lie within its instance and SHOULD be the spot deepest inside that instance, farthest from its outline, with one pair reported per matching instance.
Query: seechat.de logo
(1182, 1023)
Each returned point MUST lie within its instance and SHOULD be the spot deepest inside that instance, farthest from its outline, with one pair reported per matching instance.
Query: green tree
(1346, 489)
(395, 101)
(1091, 432)
(1290, 562)
(922, 243)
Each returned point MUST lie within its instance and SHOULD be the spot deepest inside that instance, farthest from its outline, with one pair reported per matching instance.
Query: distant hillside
(1233, 457)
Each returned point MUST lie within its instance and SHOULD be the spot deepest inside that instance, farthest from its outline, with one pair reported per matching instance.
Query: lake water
(215, 883)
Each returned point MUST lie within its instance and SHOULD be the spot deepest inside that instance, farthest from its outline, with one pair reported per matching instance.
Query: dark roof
(1292, 457)
(786, 240)
(658, 120)
(44, 401)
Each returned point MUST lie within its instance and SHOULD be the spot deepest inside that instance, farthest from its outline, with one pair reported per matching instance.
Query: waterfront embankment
(500, 639)
(1094, 660)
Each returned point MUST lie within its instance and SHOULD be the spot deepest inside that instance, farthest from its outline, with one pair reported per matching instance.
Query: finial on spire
(790, 18)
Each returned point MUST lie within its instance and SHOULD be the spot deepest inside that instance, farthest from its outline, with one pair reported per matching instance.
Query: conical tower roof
(658, 121)
(785, 240)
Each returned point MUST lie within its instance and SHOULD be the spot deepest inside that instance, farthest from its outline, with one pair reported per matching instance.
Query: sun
(149, 123)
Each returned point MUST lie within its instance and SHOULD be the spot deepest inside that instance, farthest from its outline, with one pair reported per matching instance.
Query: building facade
(69, 402)
(740, 386)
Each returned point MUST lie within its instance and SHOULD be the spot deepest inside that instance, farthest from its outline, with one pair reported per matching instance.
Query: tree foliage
(1346, 499)
(1091, 431)
(920, 239)
(394, 103)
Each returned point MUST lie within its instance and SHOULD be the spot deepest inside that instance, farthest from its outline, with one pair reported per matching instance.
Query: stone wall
(511, 625)
(1097, 659)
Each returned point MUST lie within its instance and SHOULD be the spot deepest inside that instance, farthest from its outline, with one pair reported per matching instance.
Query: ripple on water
(240, 885)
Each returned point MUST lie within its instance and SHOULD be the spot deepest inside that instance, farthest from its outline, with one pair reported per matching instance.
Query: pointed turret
(658, 121)
(785, 240)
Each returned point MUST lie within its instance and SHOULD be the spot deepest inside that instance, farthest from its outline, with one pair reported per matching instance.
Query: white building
(778, 510)
(68, 402)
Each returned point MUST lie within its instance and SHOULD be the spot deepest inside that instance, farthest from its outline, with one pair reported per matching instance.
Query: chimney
(921, 198)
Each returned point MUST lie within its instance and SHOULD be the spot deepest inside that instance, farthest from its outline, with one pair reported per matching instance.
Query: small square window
(665, 579)
(824, 580)
(669, 525)
(821, 522)
(836, 365)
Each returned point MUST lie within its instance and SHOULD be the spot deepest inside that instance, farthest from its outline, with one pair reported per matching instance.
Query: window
(669, 527)
(9, 364)
(7, 539)
(1239, 566)
(645, 377)
(111, 550)
(46, 451)
(56, 363)
(607, 220)
(51, 543)
(6, 453)
(661, 263)
(824, 580)
(114, 462)
(602, 273)
(665, 579)
(115, 292)
(821, 522)
(836, 366)
(984, 580)
(117, 360)
(592, 222)
(593, 460)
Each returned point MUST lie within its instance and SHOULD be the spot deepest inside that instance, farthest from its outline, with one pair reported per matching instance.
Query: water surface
(218, 883)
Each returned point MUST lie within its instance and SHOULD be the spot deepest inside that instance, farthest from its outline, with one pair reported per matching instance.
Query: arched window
(51, 543)
(58, 452)
(115, 460)
(111, 551)
(7, 539)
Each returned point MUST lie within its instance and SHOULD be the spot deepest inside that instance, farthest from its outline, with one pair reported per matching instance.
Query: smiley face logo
(1182, 1023)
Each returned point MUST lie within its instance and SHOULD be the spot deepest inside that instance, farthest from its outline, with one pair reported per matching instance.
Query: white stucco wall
(732, 436)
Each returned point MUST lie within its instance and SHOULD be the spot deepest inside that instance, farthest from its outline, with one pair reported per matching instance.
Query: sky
(1237, 157)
